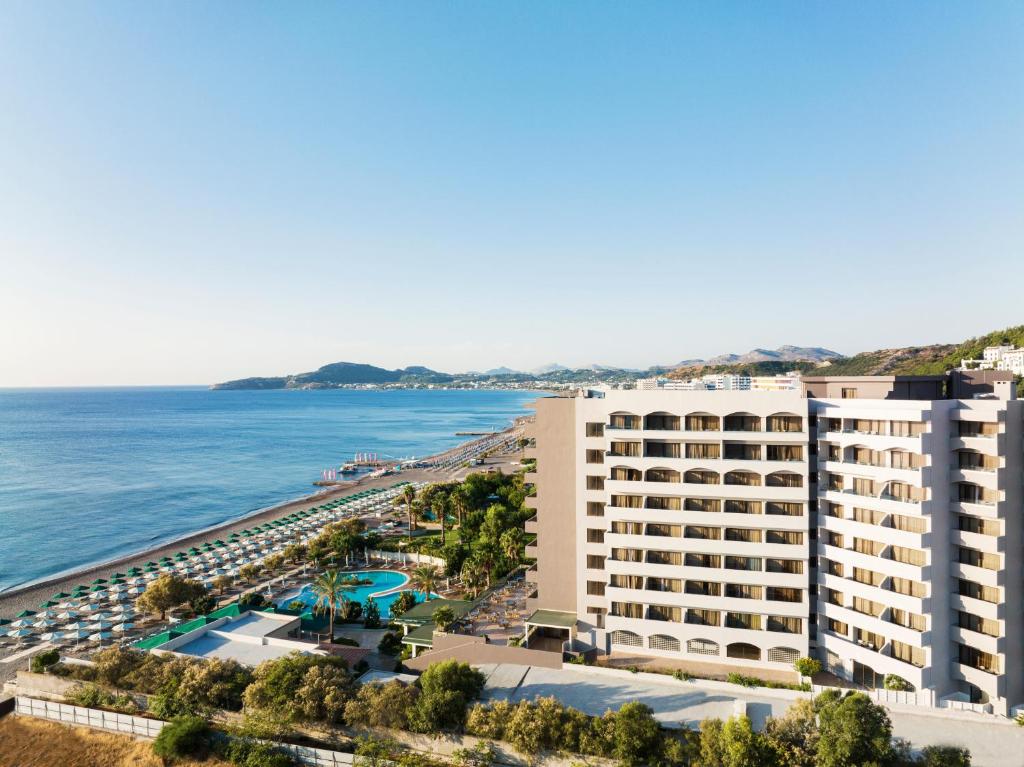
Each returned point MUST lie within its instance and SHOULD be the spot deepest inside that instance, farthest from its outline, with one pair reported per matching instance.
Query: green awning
(552, 619)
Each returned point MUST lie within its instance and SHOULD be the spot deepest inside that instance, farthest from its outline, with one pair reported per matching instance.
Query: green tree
(447, 687)
(807, 666)
(406, 601)
(944, 756)
(167, 592)
(328, 589)
(214, 684)
(460, 505)
(424, 580)
(371, 613)
(472, 577)
(187, 736)
(382, 705)
(291, 689)
(249, 572)
(439, 508)
(636, 734)
(223, 583)
(294, 552)
(202, 604)
(511, 544)
(407, 498)
(853, 730)
(443, 617)
(793, 737)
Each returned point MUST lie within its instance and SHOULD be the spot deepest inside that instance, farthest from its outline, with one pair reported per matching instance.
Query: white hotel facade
(872, 523)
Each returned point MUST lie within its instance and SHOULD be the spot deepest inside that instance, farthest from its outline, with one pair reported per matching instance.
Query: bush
(390, 643)
(246, 752)
(808, 666)
(898, 683)
(682, 676)
(944, 756)
(382, 705)
(371, 614)
(346, 642)
(447, 688)
(350, 611)
(186, 736)
(92, 696)
(252, 601)
(297, 605)
(44, 660)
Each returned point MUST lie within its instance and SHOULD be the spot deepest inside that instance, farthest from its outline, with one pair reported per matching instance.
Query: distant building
(1008, 358)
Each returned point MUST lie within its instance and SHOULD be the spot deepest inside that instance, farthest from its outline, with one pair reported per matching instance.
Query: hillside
(911, 360)
(339, 374)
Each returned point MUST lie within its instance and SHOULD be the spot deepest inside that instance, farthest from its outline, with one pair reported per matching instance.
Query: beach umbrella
(45, 623)
(100, 636)
(67, 615)
(99, 580)
(136, 590)
(21, 623)
(48, 604)
(180, 556)
(151, 564)
(76, 634)
(20, 633)
(92, 607)
(60, 595)
(97, 588)
(52, 636)
(100, 616)
(117, 575)
(74, 626)
(25, 614)
(122, 627)
(134, 570)
(117, 582)
(99, 626)
(165, 559)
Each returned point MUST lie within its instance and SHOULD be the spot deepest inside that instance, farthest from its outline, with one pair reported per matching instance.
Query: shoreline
(31, 595)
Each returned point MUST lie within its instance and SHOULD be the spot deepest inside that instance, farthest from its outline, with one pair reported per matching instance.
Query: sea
(89, 475)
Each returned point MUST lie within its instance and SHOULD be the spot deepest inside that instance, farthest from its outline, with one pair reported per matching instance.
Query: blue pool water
(87, 475)
(383, 580)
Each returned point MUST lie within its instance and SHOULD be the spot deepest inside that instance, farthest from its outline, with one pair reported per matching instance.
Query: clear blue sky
(191, 192)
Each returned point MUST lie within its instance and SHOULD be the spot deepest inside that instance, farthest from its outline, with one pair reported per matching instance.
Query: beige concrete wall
(474, 651)
(554, 431)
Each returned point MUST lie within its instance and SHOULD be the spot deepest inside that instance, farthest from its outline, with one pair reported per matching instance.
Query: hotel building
(873, 523)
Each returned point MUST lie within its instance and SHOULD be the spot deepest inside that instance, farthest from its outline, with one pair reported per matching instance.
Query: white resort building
(873, 523)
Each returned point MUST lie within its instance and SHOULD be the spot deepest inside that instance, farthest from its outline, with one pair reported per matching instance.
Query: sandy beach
(29, 597)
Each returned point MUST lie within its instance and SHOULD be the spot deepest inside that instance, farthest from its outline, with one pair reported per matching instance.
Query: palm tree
(486, 556)
(407, 498)
(460, 505)
(512, 545)
(424, 579)
(328, 589)
(439, 507)
(472, 576)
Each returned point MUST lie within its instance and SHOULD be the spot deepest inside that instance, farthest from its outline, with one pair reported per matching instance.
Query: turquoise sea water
(87, 475)
(383, 581)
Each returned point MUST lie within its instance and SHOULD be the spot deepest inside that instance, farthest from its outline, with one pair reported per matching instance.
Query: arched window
(786, 655)
(663, 642)
(784, 479)
(661, 422)
(748, 478)
(662, 475)
(701, 477)
(625, 474)
(627, 638)
(742, 422)
(701, 647)
(624, 421)
(743, 651)
(702, 422)
(785, 422)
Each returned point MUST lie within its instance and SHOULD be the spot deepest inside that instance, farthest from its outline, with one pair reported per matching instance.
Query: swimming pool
(389, 581)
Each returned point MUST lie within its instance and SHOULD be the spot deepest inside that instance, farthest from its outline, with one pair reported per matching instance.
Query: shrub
(898, 683)
(300, 688)
(346, 641)
(447, 688)
(382, 705)
(371, 614)
(297, 605)
(186, 736)
(252, 601)
(807, 666)
(350, 611)
(390, 643)
(444, 617)
(247, 752)
(203, 604)
(682, 676)
(42, 661)
(406, 600)
(944, 756)
(480, 755)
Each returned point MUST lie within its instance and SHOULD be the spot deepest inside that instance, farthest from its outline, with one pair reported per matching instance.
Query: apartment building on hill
(873, 523)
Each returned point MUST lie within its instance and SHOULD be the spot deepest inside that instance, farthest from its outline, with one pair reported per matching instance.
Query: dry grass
(26, 742)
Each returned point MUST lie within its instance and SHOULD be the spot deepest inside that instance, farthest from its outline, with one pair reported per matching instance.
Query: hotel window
(977, 624)
(978, 429)
(625, 474)
(834, 597)
(700, 477)
(901, 459)
(662, 475)
(901, 491)
(662, 449)
(665, 584)
(867, 607)
(784, 479)
(868, 516)
(595, 509)
(834, 510)
(595, 483)
(750, 564)
(746, 621)
(975, 658)
(665, 503)
(665, 613)
(595, 562)
(865, 546)
(595, 588)
(595, 456)
(704, 533)
(908, 588)
(741, 422)
(785, 423)
(742, 507)
(838, 627)
(626, 581)
(784, 625)
(625, 449)
(627, 501)
(703, 504)
(704, 588)
(908, 556)
(863, 486)
(664, 557)
(869, 639)
(975, 558)
(832, 538)
(594, 535)
(868, 426)
(742, 591)
(627, 610)
(848, 393)
(789, 566)
(742, 534)
(595, 430)
(598, 613)
(833, 424)
(782, 594)
(867, 577)
(661, 422)
(969, 493)
(784, 509)
(908, 620)
(908, 524)
(627, 528)
(907, 428)
(835, 482)
(747, 478)
(867, 457)
(907, 653)
(785, 453)
(701, 560)
(622, 421)
(970, 524)
(703, 617)
(970, 460)
(834, 453)
(742, 452)
(702, 423)
(787, 537)
(701, 450)
(627, 555)
(662, 530)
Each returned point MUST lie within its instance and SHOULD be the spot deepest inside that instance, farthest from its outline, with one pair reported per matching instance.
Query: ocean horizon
(89, 474)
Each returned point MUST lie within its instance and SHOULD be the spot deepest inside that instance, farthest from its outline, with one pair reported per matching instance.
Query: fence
(88, 717)
(404, 557)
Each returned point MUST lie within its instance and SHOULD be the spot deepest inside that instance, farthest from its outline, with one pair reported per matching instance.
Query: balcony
(531, 525)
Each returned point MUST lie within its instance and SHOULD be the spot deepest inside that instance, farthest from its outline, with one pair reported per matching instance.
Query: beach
(30, 596)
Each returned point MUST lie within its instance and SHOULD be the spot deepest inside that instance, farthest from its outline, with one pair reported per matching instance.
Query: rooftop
(424, 612)
(552, 619)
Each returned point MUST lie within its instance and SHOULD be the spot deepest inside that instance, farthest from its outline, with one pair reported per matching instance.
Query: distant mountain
(502, 371)
(340, 373)
(782, 354)
(552, 367)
